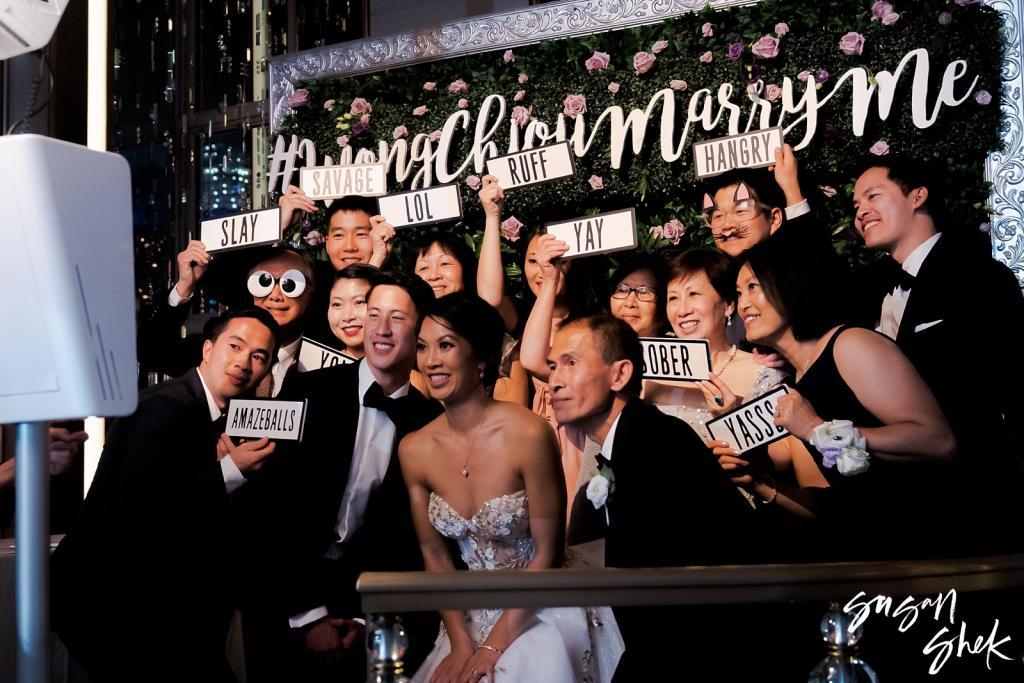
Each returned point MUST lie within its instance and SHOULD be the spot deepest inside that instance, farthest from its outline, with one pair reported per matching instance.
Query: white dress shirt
(287, 355)
(797, 210)
(233, 477)
(895, 303)
(371, 456)
(609, 439)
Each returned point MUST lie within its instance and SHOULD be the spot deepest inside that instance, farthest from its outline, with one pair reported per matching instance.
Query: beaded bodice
(497, 536)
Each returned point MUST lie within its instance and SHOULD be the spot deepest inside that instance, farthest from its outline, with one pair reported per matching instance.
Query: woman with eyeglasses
(638, 290)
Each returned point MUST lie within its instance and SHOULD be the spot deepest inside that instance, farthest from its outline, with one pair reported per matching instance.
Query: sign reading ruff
(258, 418)
(599, 234)
(751, 425)
(333, 182)
(248, 229)
(676, 359)
(531, 166)
(315, 356)
(755, 149)
(422, 207)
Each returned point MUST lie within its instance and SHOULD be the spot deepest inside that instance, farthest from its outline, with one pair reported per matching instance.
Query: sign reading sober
(755, 149)
(333, 182)
(676, 359)
(599, 234)
(751, 425)
(531, 166)
(258, 418)
(241, 230)
(422, 207)
(316, 356)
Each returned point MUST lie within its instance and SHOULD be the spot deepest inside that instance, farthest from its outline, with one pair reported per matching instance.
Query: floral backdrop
(766, 41)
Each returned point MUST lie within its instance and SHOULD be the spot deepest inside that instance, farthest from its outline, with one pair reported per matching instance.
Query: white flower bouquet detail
(601, 488)
(842, 447)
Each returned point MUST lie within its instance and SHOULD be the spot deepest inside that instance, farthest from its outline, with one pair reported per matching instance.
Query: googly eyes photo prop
(261, 283)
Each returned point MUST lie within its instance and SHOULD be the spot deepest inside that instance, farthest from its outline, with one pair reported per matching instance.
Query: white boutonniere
(600, 489)
(841, 446)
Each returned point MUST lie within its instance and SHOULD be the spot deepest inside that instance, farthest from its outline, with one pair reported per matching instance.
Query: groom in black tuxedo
(340, 504)
(954, 311)
(142, 585)
(670, 504)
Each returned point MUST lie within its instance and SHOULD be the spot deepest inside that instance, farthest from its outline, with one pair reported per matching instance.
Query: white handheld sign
(755, 149)
(751, 425)
(599, 234)
(422, 207)
(258, 418)
(532, 166)
(676, 359)
(315, 356)
(249, 229)
(333, 182)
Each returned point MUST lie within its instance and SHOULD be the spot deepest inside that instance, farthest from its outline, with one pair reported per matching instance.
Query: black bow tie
(399, 410)
(603, 461)
(220, 425)
(902, 279)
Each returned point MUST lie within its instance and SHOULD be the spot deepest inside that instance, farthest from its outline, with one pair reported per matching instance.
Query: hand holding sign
(381, 233)
(492, 197)
(735, 467)
(294, 199)
(248, 455)
(193, 261)
(598, 234)
(718, 395)
(785, 169)
(550, 248)
(796, 414)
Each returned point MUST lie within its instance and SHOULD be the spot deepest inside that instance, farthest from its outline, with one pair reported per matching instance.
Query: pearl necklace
(732, 354)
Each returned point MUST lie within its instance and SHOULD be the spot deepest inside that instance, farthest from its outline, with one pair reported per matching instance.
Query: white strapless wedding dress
(563, 644)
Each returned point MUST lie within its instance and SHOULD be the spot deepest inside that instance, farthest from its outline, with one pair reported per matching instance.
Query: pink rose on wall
(364, 119)
(329, 105)
(343, 141)
(521, 116)
(597, 61)
(642, 62)
(945, 18)
(434, 136)
(772, 92)
(510, 228)
(359, 107)
(613, 87)
(574, 105)
(803, 75)
(983, 97)
(458, 86)
(656, 231)
(735, 51)
(677, 84)
(880, 148)
(430, 85)
(520, 94)
(508, 56)
(707, 30)
(596, 182)
(313, 238)
(299, 98)
(890, 18)
(673, 231)
(400, 132)
(766, 47)
(474, 182)
(828, 190)
(781, 28)
(523, 78)
(659, 46)
(463, 103)
(852, 43)
(420, 110)
(880, 9)
(706, 57)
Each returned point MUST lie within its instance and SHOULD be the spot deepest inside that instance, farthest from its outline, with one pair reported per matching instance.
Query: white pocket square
(924, 326)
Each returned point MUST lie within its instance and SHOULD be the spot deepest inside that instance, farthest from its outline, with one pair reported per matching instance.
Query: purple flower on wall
(735, 51)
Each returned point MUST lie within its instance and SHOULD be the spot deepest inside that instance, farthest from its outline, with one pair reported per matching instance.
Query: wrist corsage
(841, 446)
(600, 489)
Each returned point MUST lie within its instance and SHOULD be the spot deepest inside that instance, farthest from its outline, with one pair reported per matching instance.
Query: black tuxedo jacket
(142, 578)
(310, 480)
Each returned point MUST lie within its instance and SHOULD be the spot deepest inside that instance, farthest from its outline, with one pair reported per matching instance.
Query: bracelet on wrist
(484, 646)
(775, 492)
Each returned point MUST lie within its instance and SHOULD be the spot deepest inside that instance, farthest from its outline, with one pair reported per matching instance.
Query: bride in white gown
(488, 475)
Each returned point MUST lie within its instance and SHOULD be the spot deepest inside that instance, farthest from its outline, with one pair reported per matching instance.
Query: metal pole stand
(32, 552)
(841, 665)
(386, 645)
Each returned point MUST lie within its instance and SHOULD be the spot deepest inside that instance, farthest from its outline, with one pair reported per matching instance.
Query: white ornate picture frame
(1004, 168)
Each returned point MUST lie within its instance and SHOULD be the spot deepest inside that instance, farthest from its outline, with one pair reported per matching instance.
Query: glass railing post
(841, 664)
(386, 645)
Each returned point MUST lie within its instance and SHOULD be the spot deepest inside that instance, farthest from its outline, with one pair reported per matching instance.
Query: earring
(728, 320)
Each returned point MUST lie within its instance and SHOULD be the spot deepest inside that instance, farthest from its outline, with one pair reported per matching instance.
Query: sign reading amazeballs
(531, 166)
(599, 234)
(242, 230)
(755, 149)
(333, 182)
(422, 207)
(751, 425)
(258, 418)
(316, 356)
(676, 359)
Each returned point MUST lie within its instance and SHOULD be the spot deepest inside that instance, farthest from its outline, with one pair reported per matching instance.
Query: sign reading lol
(333, 182)
(599, 234)
(751, 425)
(422, 207)
(315, 356)
(258, 418)
(746, 150)
(532, 166)
(676, 359)
(242, 230)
